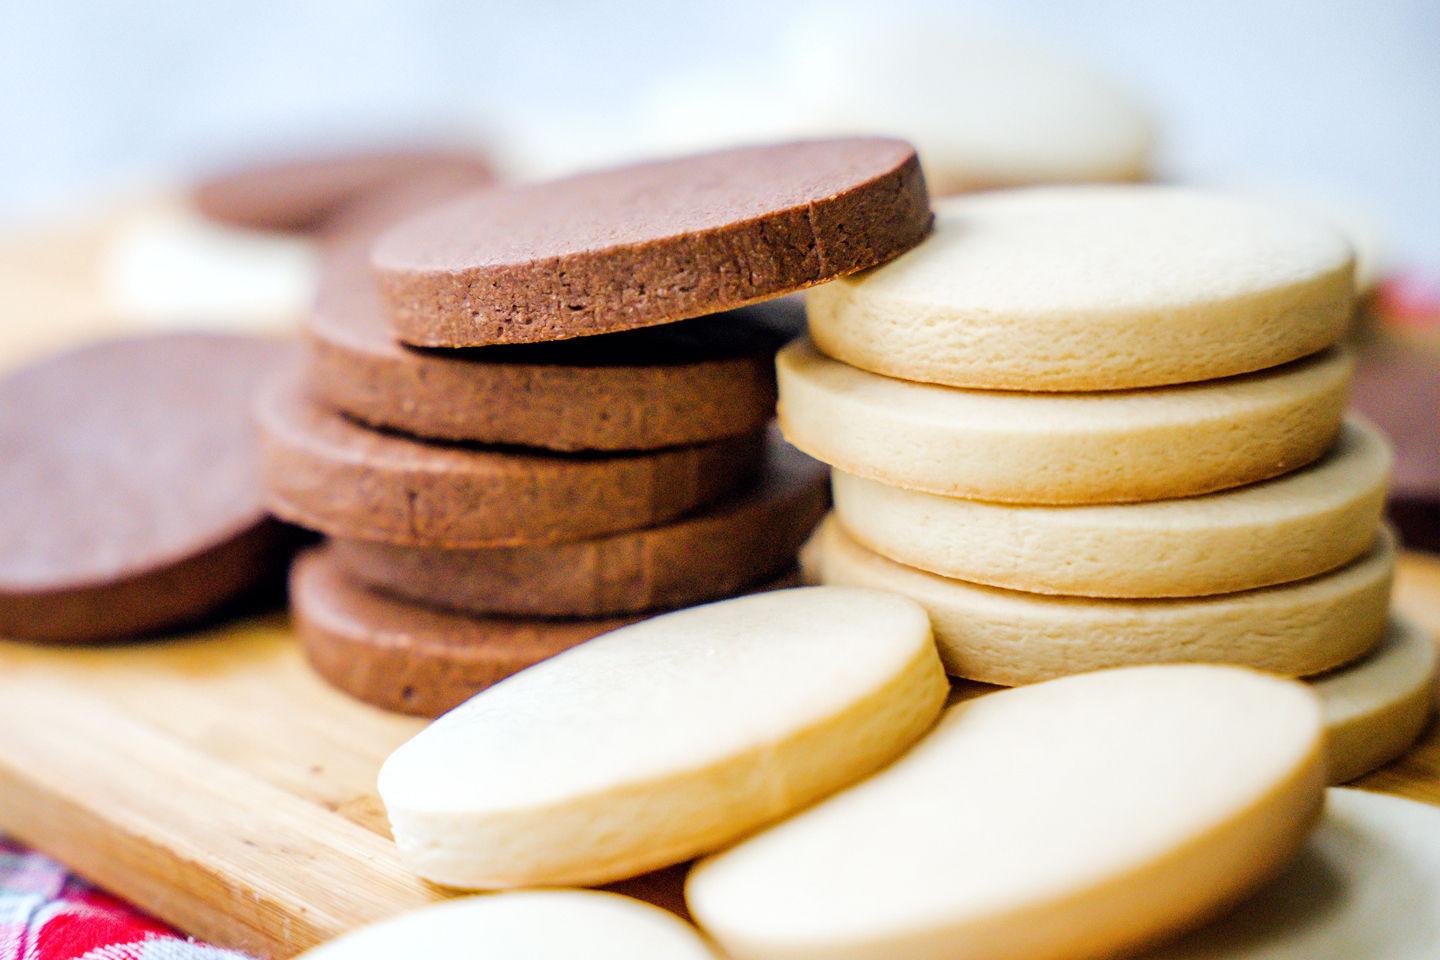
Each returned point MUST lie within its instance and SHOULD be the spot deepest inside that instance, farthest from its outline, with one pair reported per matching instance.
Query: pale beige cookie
(1094, 288)
(1376, 708)
(1008, 637)
(1288, 528)
(663, 740)
(528, 924)
(1075, 819)
(1061, 448)
(1366, 885)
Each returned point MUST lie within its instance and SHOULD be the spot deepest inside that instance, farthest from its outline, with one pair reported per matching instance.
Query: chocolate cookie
(649, 244)
(300, 194)
(702, 557)
(131, 485)
(330, 474)
(409, 658)
(681, 383)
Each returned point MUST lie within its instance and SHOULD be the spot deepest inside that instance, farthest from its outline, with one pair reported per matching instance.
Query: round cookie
(1376, 708)
(1094, 288)
(300, 194)
(651, 243)
(529, 924)
(409, 658)
(1367, 884)
(664, 739)
(132, 486)
(1284, 529)
(701, 557)
(330, 474)
(1077, 819)
(1061, 448)
(1010, 638)
(682, 383)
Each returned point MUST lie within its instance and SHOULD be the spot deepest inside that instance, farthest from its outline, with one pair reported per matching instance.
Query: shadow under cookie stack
(1099, 426)
(522, 424)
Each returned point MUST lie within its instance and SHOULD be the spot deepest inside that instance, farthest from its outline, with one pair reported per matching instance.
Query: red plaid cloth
(48, 914)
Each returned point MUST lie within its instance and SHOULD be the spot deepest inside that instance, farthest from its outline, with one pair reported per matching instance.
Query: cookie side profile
(650, 243)
(1058, 448)
(1094, 288)
(330, 474)
(700, 557)
(1010, 637)
(1288, 528)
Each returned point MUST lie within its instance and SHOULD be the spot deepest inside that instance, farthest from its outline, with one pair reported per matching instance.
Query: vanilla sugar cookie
(1284, 529)
(131, 484)
(411, 658)
(1009, 637)
(1377, 707)
(700, 557)
(529, 924)
(649, 243)
(664, 740)
(1104, 447)
(330, 474)
(1366, 884)
(1080, 818)
(1094, 288)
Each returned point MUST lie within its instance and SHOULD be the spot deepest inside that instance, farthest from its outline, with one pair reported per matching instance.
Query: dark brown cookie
(680, 383)
(330, 474)
(702, 557)
(131, 486)
(410, 658)
(649, 244)
(300, 194)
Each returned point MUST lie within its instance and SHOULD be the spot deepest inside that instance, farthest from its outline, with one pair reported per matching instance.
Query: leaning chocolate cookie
(132, 487)
(649, 244)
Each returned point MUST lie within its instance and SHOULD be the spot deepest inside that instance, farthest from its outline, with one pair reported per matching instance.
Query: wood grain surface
(214, 781)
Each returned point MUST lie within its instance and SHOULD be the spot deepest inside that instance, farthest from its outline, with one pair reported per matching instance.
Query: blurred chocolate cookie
(132, 487)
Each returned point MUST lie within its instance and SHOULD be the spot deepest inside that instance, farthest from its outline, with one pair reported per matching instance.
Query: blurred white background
(1335, 97)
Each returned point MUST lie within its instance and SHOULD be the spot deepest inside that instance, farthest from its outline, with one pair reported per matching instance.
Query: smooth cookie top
(649, 244)
(1093, 288)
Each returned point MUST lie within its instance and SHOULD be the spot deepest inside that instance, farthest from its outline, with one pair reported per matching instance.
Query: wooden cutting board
(214, 781)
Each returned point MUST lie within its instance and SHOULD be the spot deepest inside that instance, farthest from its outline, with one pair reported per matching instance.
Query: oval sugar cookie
(132, 486)
(703, 556)
(1009, 637)
(1074, 819)
(1377, 707)
(663, 740)
(528, 924)
(1281, 530)
(1113, 447)
(330, 474)
(1366, 884)
(1094, 288)
(650, 243)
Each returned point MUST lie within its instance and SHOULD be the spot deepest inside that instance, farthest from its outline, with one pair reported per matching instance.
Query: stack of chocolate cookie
(533, 413)
(1090, 427)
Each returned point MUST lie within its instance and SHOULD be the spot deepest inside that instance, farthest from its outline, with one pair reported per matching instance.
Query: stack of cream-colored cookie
(1095, 426)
